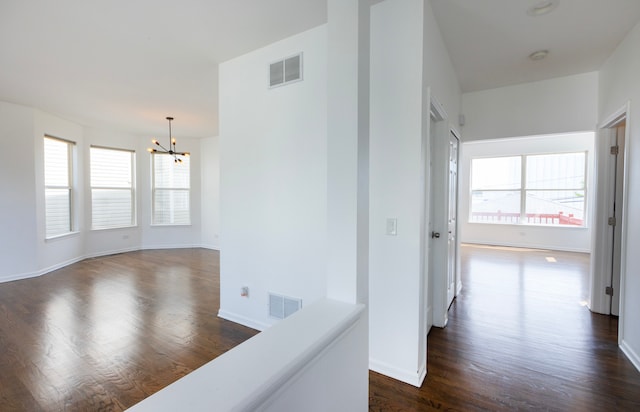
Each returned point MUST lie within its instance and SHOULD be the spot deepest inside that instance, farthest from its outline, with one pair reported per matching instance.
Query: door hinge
(612, 221)
(608, 291)
(615, 150)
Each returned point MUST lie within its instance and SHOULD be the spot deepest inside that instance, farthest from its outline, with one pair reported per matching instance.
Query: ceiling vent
(285, 71)
(281, 306)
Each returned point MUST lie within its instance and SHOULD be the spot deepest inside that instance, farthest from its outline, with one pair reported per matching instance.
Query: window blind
(112, 188)
(171, 190)
(547, 189)
(57, 187)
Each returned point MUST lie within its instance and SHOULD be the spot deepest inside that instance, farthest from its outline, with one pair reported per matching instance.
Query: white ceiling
(490, 40)
(125, 65)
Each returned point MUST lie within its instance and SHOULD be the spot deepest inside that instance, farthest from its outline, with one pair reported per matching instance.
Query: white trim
(599, 302)
(436, 108)
(631, 354)
(616, 116)
(44, 271)
(520, 138)
(412, 378)
(181, 246)
(242, 320)
(623, 224)
(254, 376)
(540, 246)
(61, 237)
(111, 252)
(210, 246)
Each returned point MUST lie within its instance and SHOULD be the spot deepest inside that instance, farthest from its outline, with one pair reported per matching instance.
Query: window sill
(529, 225)
(171, 225)
(61, 237)
(102, 229)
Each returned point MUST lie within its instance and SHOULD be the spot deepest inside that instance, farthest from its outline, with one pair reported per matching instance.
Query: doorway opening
(441, 217)
(534, 193)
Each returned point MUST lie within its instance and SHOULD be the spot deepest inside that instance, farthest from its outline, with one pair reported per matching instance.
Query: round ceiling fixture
(539, 55)
(542, 7)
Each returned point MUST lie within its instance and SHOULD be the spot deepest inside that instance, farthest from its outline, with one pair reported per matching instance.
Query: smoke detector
(543, 7)
(539, 55)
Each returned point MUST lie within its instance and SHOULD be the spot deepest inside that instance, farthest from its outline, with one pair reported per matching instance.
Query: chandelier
(172, 147)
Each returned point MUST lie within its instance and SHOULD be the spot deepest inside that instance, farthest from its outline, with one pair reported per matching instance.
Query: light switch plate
(392, 226)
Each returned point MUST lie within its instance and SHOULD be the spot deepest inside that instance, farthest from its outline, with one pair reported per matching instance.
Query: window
(171, 187)
(58, 189)
(536, 189)
(112, 188)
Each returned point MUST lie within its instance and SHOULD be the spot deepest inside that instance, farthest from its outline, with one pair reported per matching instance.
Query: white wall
(210, 184)
(25, 251)
(561, 105)
(577, 239)
(18, 238)
(438, 72)
(620, 83)
(407, 56)
(273, 180)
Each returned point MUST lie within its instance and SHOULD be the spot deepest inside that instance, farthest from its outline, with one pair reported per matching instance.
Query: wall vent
(282, 306)
(285, 71)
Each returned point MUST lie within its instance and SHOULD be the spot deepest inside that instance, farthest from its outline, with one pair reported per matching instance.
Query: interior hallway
(519, 338)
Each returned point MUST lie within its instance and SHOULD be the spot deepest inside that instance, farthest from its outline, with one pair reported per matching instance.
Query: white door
(452, 249)
(444, 209)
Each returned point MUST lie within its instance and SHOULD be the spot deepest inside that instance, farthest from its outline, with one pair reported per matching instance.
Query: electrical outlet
(244, 291)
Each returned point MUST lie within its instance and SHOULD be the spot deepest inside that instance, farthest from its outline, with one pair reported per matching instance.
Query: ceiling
(125, 65)
(489, 41)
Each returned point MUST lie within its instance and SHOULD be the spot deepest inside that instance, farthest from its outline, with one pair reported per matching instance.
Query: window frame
(132, 188)
(523, 190)
(69, 187)
(154, 188)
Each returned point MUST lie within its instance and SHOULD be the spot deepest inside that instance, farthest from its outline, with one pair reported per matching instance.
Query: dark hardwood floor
(105, 333)
(519, 338)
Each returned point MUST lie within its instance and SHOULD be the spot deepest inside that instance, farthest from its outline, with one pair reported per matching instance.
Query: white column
(348, 150)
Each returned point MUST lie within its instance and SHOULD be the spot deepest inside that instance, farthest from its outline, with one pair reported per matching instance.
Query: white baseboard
(561, 248)
(412, 378)
(210, 246)
(242, 320)
(19, 276)
(109, 253)
(631, 354)
(161, 247)
(44, 271)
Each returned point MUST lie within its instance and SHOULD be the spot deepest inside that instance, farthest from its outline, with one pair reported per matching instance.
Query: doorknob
(435, 235)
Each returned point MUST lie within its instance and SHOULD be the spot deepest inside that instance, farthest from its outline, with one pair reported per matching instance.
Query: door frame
(437, 110)
(438, 280)
(602, 238)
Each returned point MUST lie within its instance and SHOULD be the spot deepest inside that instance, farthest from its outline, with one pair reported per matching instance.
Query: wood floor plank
(519, 338)
(105, 333)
